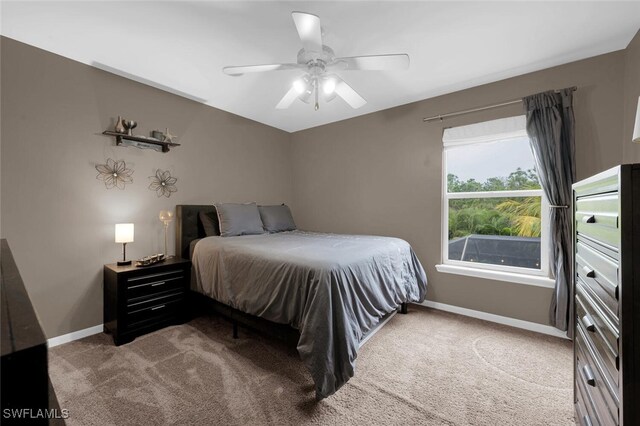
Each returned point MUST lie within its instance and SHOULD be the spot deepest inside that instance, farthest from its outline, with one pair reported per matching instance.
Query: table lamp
(166, 216)
(124, 235)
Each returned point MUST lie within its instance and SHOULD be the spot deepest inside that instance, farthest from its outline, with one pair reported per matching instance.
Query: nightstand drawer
(600, 273)
(154, 277)
(162, 283)
(138, 304)
(589, 376)
(140, 314)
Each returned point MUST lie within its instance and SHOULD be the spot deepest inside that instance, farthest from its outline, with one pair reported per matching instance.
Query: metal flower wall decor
(114, 174)
(163, 183)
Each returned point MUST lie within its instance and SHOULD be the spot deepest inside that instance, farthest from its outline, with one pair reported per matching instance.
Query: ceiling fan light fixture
(299, 86)
(329, 86)
(319, 62)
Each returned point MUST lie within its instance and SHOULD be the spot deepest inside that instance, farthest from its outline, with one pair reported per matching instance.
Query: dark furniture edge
(188, 226)
(22, 330)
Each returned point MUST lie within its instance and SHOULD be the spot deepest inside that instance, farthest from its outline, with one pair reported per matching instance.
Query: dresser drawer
(589, 376)
(161, 283)
(600, 273)
(586, 413)
(141, 313)
(598, 217)
(599, 333)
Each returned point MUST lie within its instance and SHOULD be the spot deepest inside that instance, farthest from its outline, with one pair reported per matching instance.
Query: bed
(332, 288)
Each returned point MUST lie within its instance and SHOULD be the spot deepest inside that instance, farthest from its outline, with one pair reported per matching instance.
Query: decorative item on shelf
(119, 127)
(114, 174)
(129, 125)
(151, 260)
(636, 129)
(158, 141)
(163, 183)
(168, 137)
(166, 216)
(157, 134)
(124, 235)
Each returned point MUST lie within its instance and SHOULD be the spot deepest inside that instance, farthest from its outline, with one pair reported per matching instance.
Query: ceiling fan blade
(373, 62)
(349, 95)
(309, 30)
(288, 99)
(235, 71)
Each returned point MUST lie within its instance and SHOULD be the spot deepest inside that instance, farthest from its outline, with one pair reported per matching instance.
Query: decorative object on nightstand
(166, 216)
(124, 235)
(636, 129)
(150, 260)
(140, 300)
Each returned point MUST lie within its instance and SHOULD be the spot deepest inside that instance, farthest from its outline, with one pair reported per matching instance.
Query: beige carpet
(427, 367)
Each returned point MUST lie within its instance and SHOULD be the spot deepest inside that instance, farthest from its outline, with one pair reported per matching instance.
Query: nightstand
(138, 300)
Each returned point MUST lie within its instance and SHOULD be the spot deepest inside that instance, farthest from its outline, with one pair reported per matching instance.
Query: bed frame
(189, 228)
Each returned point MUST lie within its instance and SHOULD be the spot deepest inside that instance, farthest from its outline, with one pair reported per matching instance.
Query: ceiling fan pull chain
(315, 84)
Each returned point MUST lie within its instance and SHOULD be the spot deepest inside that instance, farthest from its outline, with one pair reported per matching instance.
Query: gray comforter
(332, 288)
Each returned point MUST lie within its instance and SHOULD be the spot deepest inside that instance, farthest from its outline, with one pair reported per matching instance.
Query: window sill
(498, 275)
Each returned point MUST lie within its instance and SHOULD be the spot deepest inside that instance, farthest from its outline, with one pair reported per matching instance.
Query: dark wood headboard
(189, 227)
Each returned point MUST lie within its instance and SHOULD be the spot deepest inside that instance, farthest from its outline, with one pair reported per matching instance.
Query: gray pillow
(239, 219)
(209, 221)
(277, 218)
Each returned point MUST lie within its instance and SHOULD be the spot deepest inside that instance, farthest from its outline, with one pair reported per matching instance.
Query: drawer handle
(157, 307)
(617, 293)
(589, 272)
(588, 376)
(162, 283)
(586, 420)
(588, 323)
(589, 219)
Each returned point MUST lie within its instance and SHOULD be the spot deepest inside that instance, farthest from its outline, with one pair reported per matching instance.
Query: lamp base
(124, 262)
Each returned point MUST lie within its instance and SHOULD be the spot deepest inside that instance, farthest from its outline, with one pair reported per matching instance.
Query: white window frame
(537, 277)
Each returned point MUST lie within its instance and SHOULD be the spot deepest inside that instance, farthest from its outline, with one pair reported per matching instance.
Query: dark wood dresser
(607, 297)
(138, 300)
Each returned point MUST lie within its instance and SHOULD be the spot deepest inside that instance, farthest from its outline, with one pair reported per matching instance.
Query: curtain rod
(467, 111)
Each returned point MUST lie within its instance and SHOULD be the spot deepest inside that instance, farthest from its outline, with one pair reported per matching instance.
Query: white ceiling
(182, 46)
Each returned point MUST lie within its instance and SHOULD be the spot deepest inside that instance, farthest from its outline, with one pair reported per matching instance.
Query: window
(495, 211)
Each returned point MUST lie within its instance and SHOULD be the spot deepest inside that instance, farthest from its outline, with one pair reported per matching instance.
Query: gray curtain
(550, 125)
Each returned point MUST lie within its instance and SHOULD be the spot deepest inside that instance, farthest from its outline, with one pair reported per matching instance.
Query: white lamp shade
(124, 232)
(636, 128)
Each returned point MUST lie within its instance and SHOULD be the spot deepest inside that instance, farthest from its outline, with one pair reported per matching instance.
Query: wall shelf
(140, 141)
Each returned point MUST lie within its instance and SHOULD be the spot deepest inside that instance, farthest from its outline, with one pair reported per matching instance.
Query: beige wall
(59, 219)
(381, 173)
(631, 151)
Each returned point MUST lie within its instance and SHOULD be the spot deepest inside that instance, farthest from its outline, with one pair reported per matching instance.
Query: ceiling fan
(320, 65)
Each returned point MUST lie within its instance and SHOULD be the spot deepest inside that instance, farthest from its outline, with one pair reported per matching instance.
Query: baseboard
(526, 325)
(70, 337)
